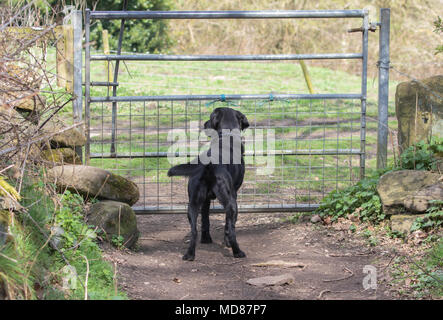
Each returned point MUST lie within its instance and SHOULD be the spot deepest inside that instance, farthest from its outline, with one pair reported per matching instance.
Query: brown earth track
(334, 261)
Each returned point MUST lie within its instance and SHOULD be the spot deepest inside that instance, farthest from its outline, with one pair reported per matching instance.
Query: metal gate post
(77, 104)
(383, 89)
(364, 90)
(87, 84)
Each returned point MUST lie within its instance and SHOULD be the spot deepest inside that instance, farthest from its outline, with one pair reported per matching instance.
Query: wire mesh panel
(298, 148)
(296, 151)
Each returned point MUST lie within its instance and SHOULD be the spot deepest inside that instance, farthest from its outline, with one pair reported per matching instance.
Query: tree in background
(438, 24)
(139, 35)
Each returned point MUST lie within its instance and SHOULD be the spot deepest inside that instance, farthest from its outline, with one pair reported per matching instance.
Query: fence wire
(316, 149)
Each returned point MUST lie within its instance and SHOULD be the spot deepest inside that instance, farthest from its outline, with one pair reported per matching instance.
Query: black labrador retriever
(217, 178)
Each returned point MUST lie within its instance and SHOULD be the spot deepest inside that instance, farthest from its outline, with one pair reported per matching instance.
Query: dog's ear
(243, 120)
(213, 121)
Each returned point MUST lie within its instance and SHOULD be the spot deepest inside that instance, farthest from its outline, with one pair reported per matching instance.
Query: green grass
(29, 261)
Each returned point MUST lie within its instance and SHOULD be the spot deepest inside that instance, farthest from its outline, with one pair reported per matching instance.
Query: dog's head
(226, 118)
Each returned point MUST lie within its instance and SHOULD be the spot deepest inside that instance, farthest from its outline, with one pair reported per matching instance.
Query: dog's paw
(188, 257)
(206, 239)
(240, 254)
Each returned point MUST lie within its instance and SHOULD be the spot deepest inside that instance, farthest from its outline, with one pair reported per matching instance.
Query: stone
(315, 218)
(114, 219)
(20, 87)
(395, 186)
(279, 280)
(31, 103)
(17, 130)
(91, 182)
(71, 138)
(402, 223)
(61, 156)
(419, 112)
(420, 200)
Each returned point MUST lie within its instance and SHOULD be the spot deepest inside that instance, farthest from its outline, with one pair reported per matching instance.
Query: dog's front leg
(192, 216)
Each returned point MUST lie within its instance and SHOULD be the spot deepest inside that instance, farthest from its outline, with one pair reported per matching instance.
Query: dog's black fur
(215, 181)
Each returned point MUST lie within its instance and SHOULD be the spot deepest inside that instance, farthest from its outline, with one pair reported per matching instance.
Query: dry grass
(413, 41)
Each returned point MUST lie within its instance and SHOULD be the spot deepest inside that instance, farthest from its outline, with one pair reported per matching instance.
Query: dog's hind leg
(197, 196)
(228, 200)
(192, 217)
(205, 237)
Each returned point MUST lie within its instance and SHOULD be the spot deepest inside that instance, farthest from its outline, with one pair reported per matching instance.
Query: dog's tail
(186, 169)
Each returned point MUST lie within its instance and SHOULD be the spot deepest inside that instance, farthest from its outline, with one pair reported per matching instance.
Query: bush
(422, 156)
(363, 200)
(139, 35)
(360, 199)
(30, 261)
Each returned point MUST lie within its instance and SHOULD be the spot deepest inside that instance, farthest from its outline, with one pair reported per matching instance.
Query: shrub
(422, 156)
(139, 35)
(360, 199)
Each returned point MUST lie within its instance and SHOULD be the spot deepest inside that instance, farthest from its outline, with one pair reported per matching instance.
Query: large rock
(71, 138)
(396, 186)
(20, 87)
(61, 156)
(34, 103)
(419, 111)
(114, 219)
(420, 200)
(94, 182)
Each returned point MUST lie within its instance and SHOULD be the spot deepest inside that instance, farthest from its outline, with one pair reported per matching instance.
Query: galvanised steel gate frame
(362, 96)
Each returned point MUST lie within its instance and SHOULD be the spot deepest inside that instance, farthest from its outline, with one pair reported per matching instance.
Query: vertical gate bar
(337, 157)
(114, 88)
(296, 147)
(144, 150)
(383, 88)
(77, 104)
(254, 160)
(172, 130)
(310, 155)
(364, 93)
(87, 85)
(324, 147)
(158, 150)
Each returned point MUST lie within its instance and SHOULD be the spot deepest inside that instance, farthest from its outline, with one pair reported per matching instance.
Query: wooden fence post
(107, 51)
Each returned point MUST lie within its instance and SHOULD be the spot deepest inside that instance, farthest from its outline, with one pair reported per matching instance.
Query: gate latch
(372, 27)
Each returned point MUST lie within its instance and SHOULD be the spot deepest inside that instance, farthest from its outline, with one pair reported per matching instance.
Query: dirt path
(333, 260)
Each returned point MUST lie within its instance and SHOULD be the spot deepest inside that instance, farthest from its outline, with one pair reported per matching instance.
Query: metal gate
(299, 147)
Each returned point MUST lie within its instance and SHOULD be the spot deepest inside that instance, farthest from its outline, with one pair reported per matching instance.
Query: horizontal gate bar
(248, 154)
(253, 57)
(227, 14)
(212, 97)
(103, 84)
(302, 207)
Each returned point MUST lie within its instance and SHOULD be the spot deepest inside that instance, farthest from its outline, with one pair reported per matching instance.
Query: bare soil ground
(332, 257)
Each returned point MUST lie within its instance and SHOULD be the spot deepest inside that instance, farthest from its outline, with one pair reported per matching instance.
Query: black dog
(217, 178)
